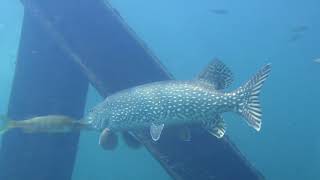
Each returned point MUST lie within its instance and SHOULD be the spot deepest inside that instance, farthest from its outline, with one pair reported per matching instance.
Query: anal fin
(216, 127)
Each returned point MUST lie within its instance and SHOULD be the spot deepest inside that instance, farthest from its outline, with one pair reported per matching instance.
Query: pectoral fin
(216, 127)
(155, 131)
(108, 140)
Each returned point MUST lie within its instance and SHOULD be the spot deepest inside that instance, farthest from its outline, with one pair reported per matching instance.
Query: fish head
(98, 118)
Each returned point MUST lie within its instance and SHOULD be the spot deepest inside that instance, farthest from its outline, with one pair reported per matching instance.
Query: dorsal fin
(217, 74)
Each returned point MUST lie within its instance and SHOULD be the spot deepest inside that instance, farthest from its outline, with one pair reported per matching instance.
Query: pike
(180, 103)
(165, 103)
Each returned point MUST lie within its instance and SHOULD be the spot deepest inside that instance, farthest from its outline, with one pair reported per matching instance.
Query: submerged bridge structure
(87, 41)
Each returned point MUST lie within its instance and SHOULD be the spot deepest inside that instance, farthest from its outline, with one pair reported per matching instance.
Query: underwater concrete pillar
(45, 82)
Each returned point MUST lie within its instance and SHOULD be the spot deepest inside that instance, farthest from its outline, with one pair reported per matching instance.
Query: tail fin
(250, 107)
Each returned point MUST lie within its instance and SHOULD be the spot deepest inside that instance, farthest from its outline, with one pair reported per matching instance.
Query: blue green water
(186, 35)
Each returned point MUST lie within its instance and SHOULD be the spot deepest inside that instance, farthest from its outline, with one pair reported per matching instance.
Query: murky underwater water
(186, 36)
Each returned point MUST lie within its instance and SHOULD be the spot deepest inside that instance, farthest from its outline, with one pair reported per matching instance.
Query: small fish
(219, 11)
(317, 60)
(300, 29)
(42, 124)
(298, 33)
(295, 37)
(179, 103)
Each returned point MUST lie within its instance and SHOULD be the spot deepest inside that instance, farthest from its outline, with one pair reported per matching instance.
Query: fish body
(200, 101)
(169, 102)
(44, 124)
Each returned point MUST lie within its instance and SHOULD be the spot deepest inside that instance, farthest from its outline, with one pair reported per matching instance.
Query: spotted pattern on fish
(170, 102)
(180, 103)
